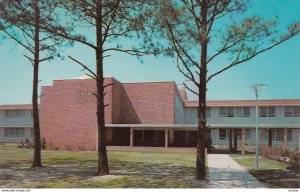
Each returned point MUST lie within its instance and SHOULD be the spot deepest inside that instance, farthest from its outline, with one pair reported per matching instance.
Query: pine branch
(84, 66)
(236, 62)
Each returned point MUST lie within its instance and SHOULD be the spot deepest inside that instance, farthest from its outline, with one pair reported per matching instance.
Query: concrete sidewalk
(224, 172)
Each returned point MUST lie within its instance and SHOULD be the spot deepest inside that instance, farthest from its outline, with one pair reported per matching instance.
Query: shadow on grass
(277, 178)
(74, 172)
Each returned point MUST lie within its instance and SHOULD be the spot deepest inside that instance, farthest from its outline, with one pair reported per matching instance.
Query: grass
(129, 168)
(272, 173)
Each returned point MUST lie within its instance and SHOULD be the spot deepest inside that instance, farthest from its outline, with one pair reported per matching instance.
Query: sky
(279, 68)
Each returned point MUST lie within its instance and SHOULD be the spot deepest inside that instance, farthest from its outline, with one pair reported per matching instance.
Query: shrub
(283, 155)
(26, 144)
(30, 144)
(56, 148)
(81, 148)
(52, 146)
(68, 147)
(43, 144)
(21, 145)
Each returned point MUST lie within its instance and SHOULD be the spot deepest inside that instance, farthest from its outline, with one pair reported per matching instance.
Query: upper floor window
(267, 111)
(234, 111)
(246, 111)
(11, 113)
(222, 112)
(292, 111)
(230, 112)
(208, 112)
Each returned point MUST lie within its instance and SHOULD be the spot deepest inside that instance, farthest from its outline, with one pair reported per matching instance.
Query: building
(15, 123)
(148, 114)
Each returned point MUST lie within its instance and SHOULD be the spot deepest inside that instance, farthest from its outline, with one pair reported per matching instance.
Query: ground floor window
(263, 134)
(14, 132)
(207, 133)
(185, 138)
(278, 134)
(248, 134)
(155, 138)
(290, 134)
(223, 134)
(32, 132)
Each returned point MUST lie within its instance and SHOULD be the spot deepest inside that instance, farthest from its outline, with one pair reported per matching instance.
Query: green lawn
(129, 168)
(272, 173)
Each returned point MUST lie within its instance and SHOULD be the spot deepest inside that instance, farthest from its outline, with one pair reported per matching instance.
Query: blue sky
(279, 68)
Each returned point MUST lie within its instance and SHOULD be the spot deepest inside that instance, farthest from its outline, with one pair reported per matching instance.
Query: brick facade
(68, 109)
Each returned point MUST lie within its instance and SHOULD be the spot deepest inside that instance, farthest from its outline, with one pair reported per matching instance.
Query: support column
(270, 137)
(243, 141)
(235, 140)
(166, 137)
(285, 140)
(230, 140)
(171, 136)
(131, 137)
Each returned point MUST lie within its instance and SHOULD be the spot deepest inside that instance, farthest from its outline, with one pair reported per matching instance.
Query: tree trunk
(36, 123)
(270, 137)
(102, 153)
(230, 140)
(200, 162)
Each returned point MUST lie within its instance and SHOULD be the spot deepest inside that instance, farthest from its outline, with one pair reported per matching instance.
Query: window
(222, 134)
(14, 132)
(208, 112)
(9, 113)
(19, 113)
(222, 112)
(290, 135)
(230, 112)
(263, 111)
(12, 113)
(238, 112)
(6, 132)
(263, 134)
(246, 111)
(271, 111)
(279, 134)
(248, 134)
(292, 111)
(267, 111)
(32, 132)
(208, 133)
(234, 111)
(296, 111)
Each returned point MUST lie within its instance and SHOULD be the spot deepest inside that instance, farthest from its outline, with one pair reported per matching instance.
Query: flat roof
(191, 126)
(220, 103)
(16, 106)
(209, 103)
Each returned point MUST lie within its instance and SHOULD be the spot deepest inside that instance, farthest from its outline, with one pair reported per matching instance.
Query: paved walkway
(224, 172)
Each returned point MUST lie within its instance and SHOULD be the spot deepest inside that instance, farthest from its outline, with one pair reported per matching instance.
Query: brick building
(149, 114)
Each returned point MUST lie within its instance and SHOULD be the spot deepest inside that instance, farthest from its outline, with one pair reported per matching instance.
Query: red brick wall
(117, 89)
(148, 103)
(68, 113)
(68, 109)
